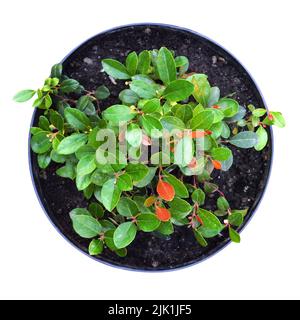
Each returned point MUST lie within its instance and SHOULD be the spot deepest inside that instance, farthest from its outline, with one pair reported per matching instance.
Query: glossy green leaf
(118, 113)
(172, 123)
(214, 96)
(24, 95)
(69, 85)
(259, 112)
(200, 239)
(262, 136)
(178, 90)
(72, 143)
(151, 106)
(147, 179)
(204, 120)
(95, 247)
(152, 126)
(148, 222)
(102, 93)
(127, 207)
(211, 224)
(137, 171)
(40, 142)
(67, 171)
(128, 97)
(202, 88)
(110, 195)
(143, 89)
(96, 210)
(279, 120)
(180, 208)
(229, 107)
(132, 63)
(166, 228)
(166, 66)
(77, 119)
(86, 226)
(124, 235)
(199, 196)
(222, 204)
(124, 182)
(86, 165)
(56, 71)
(221, 153)
(236, 219)
(115, 69)
(44, 160)
(134, 135)
(144, 62)
(234, 236)
(83, 182)
(246, 139)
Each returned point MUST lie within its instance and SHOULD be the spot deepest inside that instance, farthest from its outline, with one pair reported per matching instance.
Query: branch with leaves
(126, 198)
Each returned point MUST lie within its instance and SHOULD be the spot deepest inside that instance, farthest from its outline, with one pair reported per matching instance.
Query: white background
(37, 263)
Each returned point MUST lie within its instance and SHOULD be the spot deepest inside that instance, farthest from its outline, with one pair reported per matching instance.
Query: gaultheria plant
(145, 163)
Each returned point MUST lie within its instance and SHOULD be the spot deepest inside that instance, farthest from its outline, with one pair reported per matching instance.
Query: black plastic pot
(244, 184)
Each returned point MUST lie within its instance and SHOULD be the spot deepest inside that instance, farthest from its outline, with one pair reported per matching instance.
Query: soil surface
(243, 185)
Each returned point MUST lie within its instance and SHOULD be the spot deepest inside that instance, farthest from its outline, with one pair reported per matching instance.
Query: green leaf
(95, 247)
(201, 90)
(85, 105)
(83, 182)
(148, 222)
(151, 106)
(110, 195)
(115, 69)
(56, 71)
(77, 119)
(56, 120)
(144, 62)
(127, 207)
(178, 90)
(124, 235)
(143, 89)
(86, 226)
(234, 236)
(44, 160)
(236, 219)
(214, 96)
(179, 187)
(200, 239)
(96, 210)
(221, 153)
(24, 95)
(262, 136)
(229, 107)
(134, 135)
(246, 140)
(139, 201)
(137, 171)
(198, 196)
(128, 97)
(99, 178)
(238, 117)
(132, 63)
(86, 165)
(203, 120)
(79, 212)
(210, 187)
(184, 152)
(166, 66)
(278, 119)
(118, 113)
(211, 224)
(222, 204)
(69, 85)
(68, 171)
(184, 112)
(44, 123)
(180, 208)
(109, 239)
(72, 143)
(102, 93)
(166, 228)
(182, 63)
(259, 112)
(40, 142)
(152, 126)
(225, 130)
(124, 182)
(85, 151)
(172, 123)
(147, 179)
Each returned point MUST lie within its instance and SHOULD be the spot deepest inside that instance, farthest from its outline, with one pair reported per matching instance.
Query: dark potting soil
(243, 185)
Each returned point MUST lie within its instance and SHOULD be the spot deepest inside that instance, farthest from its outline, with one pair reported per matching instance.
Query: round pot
(244, 184)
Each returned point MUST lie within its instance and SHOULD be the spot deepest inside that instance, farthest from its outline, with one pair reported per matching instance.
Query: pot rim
(222, 245)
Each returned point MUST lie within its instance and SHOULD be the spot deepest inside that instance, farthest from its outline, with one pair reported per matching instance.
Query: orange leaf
(163, 214)
(149, 202)
(217, 164)
(198, 134)
(165, 190)
(216, 107)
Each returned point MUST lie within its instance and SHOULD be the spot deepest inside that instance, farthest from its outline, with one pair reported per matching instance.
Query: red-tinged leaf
(149, 202)
(199, 220)
(165, 190)
(198, 134)
(217, 164)
(216, 107)
(208, 132)
(163, 214)
(146, 141)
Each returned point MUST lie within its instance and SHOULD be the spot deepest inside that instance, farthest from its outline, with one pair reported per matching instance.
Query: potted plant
(148, 147)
